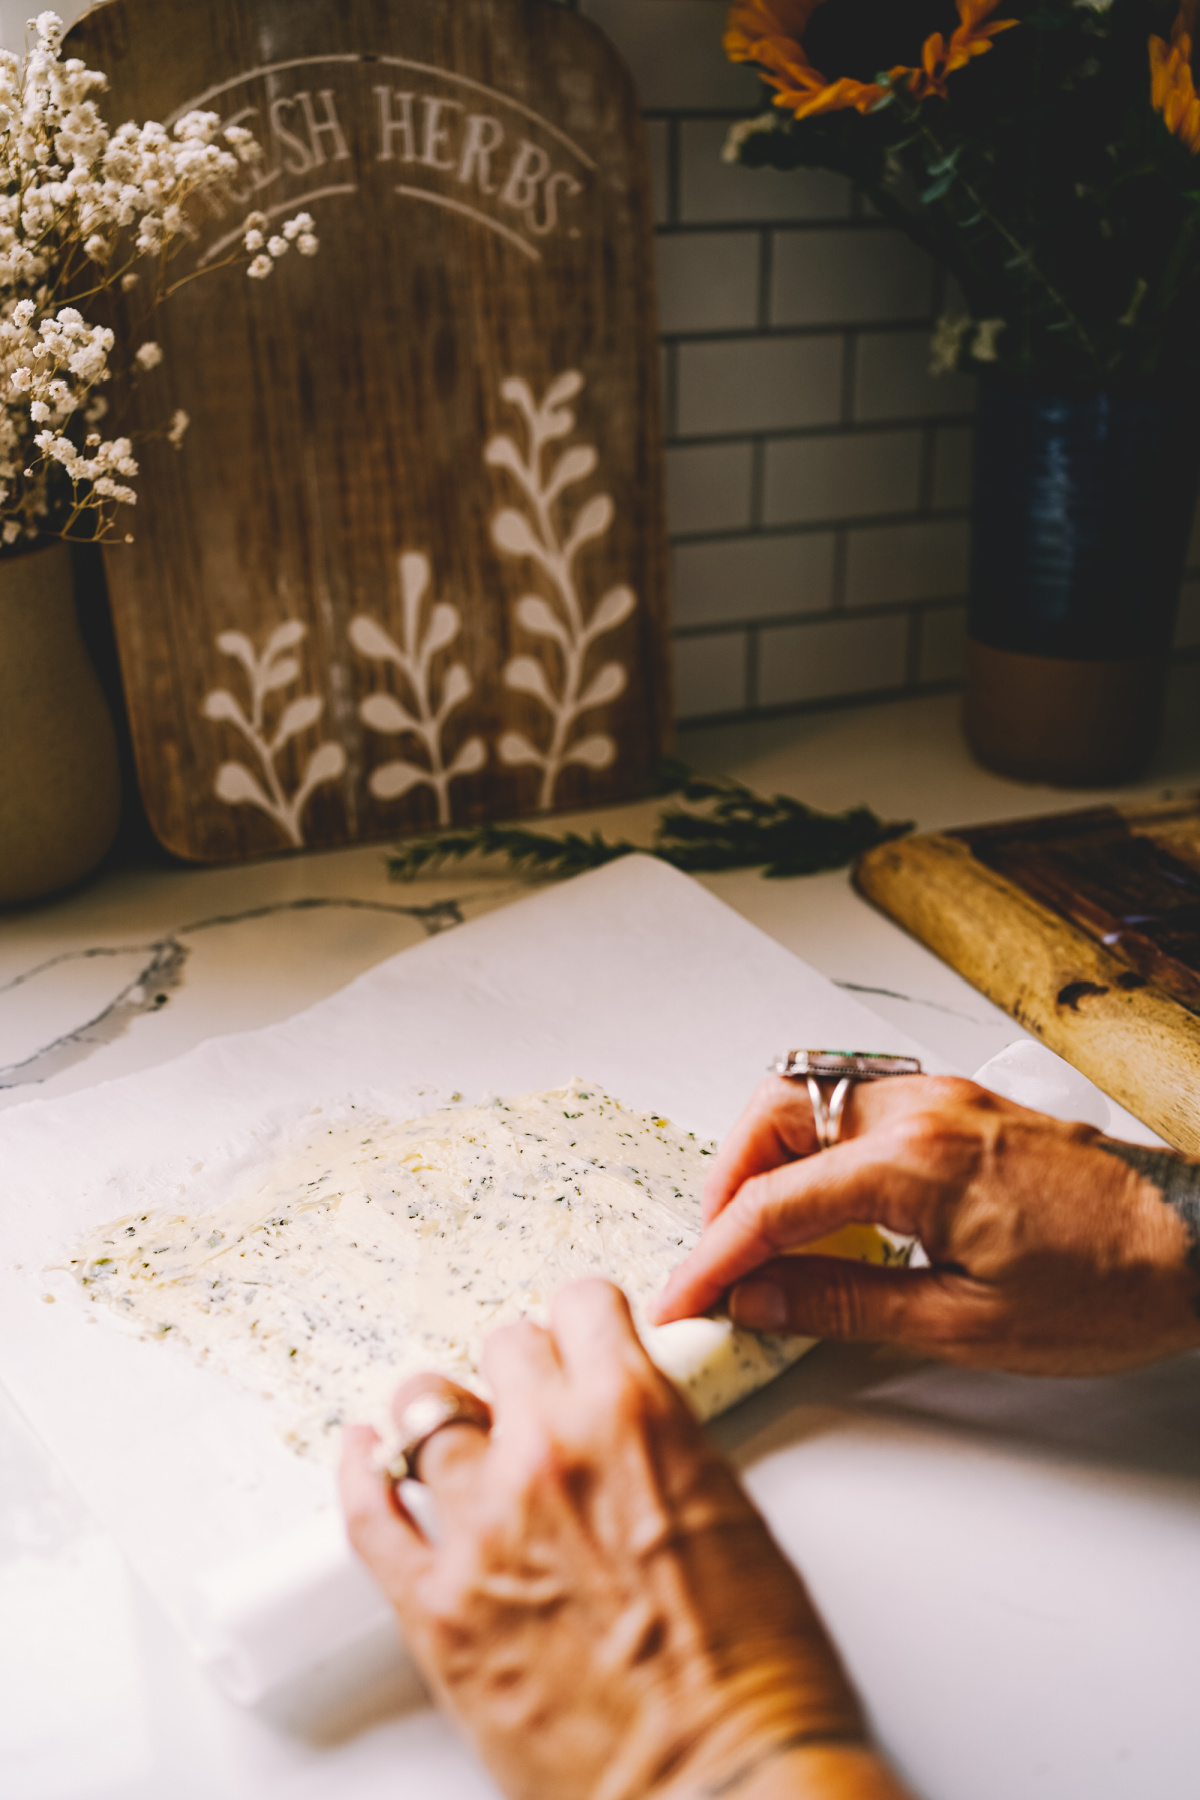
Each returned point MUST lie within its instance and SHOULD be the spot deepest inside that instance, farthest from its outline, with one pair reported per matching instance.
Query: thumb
(831, 1297)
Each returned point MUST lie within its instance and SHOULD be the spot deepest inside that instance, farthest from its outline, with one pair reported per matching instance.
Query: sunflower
(772, 32)
(1172, 88)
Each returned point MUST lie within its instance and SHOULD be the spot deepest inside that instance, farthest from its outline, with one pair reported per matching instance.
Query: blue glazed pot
(1082, 507)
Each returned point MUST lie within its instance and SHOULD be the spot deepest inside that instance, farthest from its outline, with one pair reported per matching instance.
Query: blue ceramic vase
(1081, 511)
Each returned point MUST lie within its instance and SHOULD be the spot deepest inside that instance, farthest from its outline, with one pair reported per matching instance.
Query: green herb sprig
(722, 825)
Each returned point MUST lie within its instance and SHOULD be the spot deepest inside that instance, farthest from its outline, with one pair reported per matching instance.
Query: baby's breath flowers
(84, 212)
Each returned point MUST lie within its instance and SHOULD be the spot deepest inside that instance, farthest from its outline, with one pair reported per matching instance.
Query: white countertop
(99, 1700)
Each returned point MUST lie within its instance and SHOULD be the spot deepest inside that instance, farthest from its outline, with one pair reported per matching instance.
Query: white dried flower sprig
(82, 211)
(298, 230)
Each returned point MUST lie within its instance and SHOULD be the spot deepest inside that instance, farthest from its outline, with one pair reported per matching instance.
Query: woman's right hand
(1053, 1250)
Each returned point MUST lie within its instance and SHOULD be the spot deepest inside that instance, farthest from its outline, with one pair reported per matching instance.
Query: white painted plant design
(558, 683)
(425, 718)
(238, 785)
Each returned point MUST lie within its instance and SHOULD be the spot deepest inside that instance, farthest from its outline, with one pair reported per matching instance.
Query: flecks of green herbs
(720, 824)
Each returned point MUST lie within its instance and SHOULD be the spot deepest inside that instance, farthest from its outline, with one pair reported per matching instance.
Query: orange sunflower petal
(1172, 85)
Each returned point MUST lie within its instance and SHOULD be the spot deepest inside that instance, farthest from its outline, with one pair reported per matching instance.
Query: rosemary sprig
(721, 825)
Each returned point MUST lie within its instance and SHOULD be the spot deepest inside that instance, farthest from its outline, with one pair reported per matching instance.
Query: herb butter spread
(378, 1248)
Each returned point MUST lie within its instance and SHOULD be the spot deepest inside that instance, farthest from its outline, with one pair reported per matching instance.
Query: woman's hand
(1053, 1250)
(603, 1609)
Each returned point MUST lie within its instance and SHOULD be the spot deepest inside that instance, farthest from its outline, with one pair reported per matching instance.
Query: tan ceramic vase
(60, 786)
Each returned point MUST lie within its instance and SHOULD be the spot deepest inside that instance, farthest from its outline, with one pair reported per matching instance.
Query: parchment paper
(633, 977)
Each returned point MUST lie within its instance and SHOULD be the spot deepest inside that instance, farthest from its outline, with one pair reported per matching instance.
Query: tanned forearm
(1177, 1182)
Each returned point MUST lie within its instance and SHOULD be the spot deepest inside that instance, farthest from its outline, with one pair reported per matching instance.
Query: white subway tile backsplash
(713, 192)
(952, 458)
(751, 578)
(674, 49)
(709, 487)
(759, 384)
(927, 560)
(943, 644)
(708, 280)
(852, 474)
(831, 658)
(710, 674)
(892, 379)
(853, 275)
(795, 366)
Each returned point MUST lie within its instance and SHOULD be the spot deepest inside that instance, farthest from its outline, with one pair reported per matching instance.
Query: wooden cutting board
(1084, 926)
(409, 565)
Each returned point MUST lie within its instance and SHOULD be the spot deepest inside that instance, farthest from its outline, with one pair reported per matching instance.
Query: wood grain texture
(1133, 1038)
(477, 174)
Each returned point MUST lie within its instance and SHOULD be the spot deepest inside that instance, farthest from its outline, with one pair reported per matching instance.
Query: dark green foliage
(1045, 181)
(721, 825)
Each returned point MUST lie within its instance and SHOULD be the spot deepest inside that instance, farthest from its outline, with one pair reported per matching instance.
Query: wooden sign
(1085, 927)
(409, 566)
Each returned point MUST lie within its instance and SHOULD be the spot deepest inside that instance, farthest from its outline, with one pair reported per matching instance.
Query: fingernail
(758, 1305)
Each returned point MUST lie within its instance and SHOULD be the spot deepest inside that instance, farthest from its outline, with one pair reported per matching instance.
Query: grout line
(752, 660)
(811, 527)
(836, 428)
(780, 333)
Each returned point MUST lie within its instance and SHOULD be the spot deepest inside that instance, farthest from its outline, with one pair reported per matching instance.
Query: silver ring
(844, 1068)
(422, 1419)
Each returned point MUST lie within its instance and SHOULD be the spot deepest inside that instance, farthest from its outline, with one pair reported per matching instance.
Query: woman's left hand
(603, 1609)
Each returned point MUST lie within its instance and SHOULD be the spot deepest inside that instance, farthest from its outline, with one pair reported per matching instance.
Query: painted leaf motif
(593, 521)
(517, 392)
(572, 465)
(284, 637)
(443, 627)
(502, 453)
(567, 385)
(279, 674)
(455, 688)
(390, 780)
(525, 675)
(297, 718)
(220, 704)
(612, 610)
(236, 643)
(370, 639)
(383, 712)
(414, 579)
(595, 752)
(326, 763)
(605, 685)
(536, 615)
(512, 531)
(236, 786)
(516, 750)
(471, 756)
